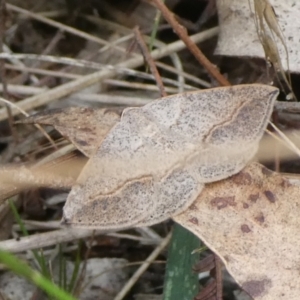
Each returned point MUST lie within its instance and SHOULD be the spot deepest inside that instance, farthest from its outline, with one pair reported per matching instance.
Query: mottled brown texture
(245, 228)
(253, 197)
(194, 221)
(260, 218)
(257, 288)
(245, 205)
(259, 245)
(270, 196)
(242, 178)
(222, 202)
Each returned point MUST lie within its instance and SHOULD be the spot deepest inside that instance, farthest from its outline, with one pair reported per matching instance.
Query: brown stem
(182, 33)
(218, 278)
(150, 61)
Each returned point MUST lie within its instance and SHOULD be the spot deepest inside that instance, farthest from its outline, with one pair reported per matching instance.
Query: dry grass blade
(37, 126)
(46, 239)
(266, 23)
(143, 267)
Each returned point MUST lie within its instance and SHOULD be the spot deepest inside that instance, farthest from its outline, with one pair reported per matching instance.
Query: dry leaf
(239, 36)
(84, 127)
(155, 161)
(251, 221)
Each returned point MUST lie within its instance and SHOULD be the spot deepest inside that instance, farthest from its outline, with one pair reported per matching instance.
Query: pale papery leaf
(251, 221)
(239, 35)
(155, 161)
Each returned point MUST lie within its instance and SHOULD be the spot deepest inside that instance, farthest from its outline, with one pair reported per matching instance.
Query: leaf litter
(89, 149)
(251, 221)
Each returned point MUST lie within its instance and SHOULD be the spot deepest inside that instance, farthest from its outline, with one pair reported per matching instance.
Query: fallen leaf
(251, 221)
(85, 127)
(239, 37)
(155, 161)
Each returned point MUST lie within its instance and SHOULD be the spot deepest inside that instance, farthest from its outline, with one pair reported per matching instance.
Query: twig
(286, 139)
(142, 268)
(83, 97)
(193, 78)
(18, 64)
(150, 61)
(42, 72)
(145, 86)
(53, 59)
(218, 278)
(182, 33)
(85, 81)
(293, 107)
(87, 64)
(46, 239)
(42, 130)
(178, 69)
(56, 24)
(49, 48)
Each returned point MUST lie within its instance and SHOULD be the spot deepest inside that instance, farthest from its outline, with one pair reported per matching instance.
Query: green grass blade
(181, 283)
(72, 284)
(20, 268)
(154, 29)
(39, 257)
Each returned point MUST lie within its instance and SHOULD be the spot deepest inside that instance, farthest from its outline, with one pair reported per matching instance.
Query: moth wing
(160, 138)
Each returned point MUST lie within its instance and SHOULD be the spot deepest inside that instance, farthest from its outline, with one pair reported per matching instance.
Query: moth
(156, 160)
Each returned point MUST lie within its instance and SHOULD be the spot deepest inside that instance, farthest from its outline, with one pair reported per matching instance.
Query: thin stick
(182, 33)
(46, 239)
(87, 64)
(53, 59)
(144, 86)
(92, 98)
(218, 278)
(42, 130)
(42, 72)
(193, 78)
(150, 61)
(56, 24)
(284, 137)
(18, 64)
(128, 32)
(142, 268)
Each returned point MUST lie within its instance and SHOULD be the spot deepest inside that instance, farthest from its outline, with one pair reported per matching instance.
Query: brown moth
(154, 163)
